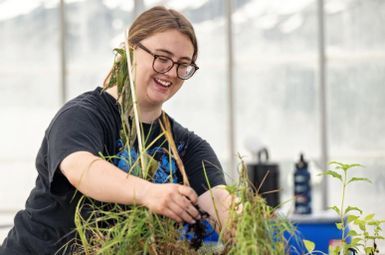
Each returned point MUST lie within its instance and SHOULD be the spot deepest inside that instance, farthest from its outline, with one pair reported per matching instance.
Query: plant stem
(342, 208)
(134, 103)
(168, 134)
(212, 196)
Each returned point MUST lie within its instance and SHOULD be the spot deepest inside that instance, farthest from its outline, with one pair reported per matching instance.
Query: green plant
(257, 227)
(369, 228)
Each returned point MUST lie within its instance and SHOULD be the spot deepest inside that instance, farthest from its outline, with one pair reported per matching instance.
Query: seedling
(352, 217)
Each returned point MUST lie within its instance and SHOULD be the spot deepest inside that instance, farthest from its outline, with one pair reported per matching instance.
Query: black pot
(264, 177)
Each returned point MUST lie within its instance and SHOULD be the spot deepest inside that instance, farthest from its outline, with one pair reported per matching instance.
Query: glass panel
(29, 95)
(276, 84)
(356, 91)
(89, 50)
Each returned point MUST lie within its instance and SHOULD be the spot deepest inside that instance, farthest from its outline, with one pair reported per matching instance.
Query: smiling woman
(164, 47)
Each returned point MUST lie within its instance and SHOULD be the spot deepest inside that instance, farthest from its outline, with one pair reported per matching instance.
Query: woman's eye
(163, 59)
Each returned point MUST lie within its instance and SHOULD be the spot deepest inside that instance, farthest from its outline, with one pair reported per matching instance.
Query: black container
(265, 178)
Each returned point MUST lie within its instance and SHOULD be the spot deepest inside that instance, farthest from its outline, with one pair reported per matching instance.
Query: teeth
(164, 83)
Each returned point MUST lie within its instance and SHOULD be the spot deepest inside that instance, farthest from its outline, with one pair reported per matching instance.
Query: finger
(189, 193)
(170, 214)
(192, 210)
(182, 213)
(186, 204)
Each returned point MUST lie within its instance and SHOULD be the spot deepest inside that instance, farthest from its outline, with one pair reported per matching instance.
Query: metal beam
(2, 226)
(230, 88)
(63, 62)
(138, 7)
(323, 100)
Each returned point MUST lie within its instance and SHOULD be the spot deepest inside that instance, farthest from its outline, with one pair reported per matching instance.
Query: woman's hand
(103, 181)
(171, 200)
(219, 210)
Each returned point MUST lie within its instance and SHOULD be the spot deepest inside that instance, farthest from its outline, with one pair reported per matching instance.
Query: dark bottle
(302, 187)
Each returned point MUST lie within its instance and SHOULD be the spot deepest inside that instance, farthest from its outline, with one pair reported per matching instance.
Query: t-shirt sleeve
(75, 129)
(200, 157)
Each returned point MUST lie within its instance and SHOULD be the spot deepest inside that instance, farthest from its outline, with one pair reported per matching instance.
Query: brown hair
(155, 20)
(159, 19)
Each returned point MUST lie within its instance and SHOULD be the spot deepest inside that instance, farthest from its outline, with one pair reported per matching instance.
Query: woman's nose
(173, 71)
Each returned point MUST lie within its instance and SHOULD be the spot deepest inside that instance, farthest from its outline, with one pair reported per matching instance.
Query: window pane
(276, 84)
(356, 92)
(29, 95)
(94, 29)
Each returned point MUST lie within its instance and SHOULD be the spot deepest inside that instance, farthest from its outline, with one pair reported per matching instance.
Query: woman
(165, 50)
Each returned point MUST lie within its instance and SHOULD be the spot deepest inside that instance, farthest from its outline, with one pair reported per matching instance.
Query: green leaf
(347, 167)
(333, 174)
(361, 224)
(352, 233)
(352, 208)
(336, 209)
(342, 166)
(336, 250)
(351, 218)
(356, 241)
(355, 165)
(369, 217)
(339, 225)
(369, 250)
(374, 223)
(335, 163)
(370, 237)
(309, 245)
(354, 179)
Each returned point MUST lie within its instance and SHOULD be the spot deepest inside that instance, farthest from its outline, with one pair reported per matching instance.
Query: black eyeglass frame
(173, 63)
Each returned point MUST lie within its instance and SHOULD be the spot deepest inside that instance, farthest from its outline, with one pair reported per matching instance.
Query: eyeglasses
(163, 64)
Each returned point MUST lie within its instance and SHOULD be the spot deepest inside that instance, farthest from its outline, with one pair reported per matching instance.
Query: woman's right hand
(104, 182)
(172, 200)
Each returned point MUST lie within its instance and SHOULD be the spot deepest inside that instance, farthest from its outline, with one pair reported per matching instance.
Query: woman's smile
(163, 83)
(154, 88)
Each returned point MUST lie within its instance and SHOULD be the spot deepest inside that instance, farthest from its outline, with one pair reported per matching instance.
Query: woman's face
(153, 89)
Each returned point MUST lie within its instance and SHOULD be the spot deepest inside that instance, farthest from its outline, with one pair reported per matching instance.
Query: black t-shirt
(91, 122)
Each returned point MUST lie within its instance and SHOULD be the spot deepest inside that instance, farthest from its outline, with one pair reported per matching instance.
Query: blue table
(319, 228)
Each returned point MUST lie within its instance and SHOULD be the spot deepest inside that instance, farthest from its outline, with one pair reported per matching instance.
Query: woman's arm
(217, 202)
(101, 180)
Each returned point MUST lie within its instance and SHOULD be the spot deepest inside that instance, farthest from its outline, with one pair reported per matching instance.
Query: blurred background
(304, 76)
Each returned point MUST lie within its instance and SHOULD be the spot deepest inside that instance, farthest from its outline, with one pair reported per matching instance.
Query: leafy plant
(258, 229)
(369, 228)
